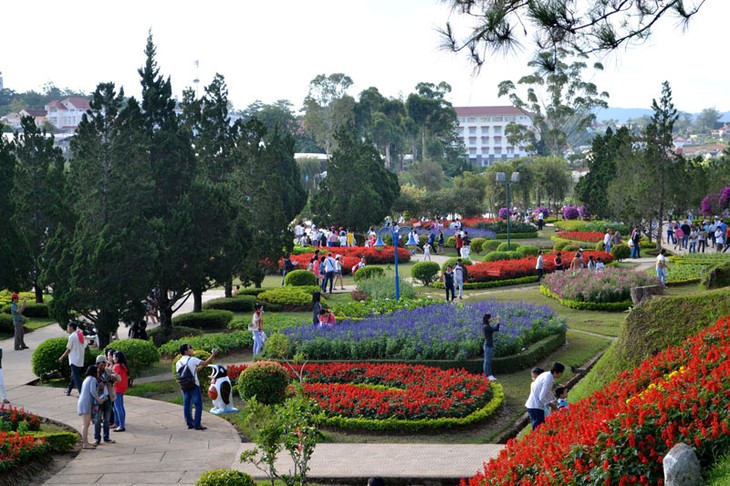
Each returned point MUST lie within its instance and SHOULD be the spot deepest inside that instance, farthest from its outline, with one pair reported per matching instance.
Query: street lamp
(515, 179)
(394, 233)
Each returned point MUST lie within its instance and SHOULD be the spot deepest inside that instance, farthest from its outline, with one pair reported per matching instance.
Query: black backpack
(185, 377)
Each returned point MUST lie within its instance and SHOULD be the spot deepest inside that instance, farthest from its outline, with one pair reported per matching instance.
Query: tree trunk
(197, 300)
(107, 323)
(38, 293)
(229, 288)
(165, 310)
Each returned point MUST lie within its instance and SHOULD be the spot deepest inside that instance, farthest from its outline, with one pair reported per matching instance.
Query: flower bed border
(392, 424)
(581, 305)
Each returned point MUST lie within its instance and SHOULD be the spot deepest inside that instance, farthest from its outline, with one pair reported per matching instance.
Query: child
(326, 318)
(599, 264)
(561, 393)
(426, 252)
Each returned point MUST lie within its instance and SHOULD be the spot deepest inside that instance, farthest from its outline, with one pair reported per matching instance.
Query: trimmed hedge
(224, 343)
(581, 305)
(299, 278)
(717, 277)
(225, 477)
(517, 236)
(392, 424)
(477, 244)
(6, 323)
(140, 355)
(527, 250)
(290, 298)
(58, 441)
(512, 246)
(32, 309)
(237, 303)
(493, 283)
(621, 252)
(368, 272)
(252, 290)
(490, 245)
(425, 272)
(494, 256)
(207, 319)
(160, 337)
(45, 358)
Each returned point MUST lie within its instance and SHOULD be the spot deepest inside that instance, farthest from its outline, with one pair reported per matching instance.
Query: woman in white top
(257, 328)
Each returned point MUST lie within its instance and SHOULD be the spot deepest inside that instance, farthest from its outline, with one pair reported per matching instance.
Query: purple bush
(725, 197)
(710, 205)
(570, 212)
(544, 210)
(504, 213)
(584, 212)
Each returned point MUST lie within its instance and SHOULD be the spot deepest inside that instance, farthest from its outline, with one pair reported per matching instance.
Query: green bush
(32, 309)
(140, 355)
(620, 252)
(58, 441)
(571, 247)
(207, 319)
(277, 346)
(476, 244)
(252, 290)
(526, 250)
(265, 380)
(224, 343)
(290, 298)
(237, 303)
(6, 323)
(425, 272)
(298, 278)
(560, 245)
(384, 288)
(490, 245)
(203, 376)
(45, 358)
(159, 335)
(717, 277)
(450, 242)
(500, 255)
(512, 246)
(452, 262)
(225, 477)
(368, 272)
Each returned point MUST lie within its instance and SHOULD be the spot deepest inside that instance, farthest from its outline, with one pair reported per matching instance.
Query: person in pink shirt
(120, 388)
(326, 318)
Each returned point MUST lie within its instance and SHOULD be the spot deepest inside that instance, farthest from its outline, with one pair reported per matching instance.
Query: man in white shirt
(541, 395)
(661, 267)
(75, 351)
(193, 397)
(607, 241)
(329, 272)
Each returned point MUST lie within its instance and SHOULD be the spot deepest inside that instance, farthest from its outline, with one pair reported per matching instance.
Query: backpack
(185, 378)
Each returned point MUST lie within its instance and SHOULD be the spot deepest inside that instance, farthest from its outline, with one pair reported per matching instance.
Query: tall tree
(552, 180)
(560, 103)
(328, 107)
(10, 242)
(586, 27)
(356, 178)
(708, 119)
(434, 117)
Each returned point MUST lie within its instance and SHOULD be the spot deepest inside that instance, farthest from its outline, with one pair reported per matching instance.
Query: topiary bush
(265, 380)
(207, 319)
(501, 255)
(425, 272)
(45, 358)
(237, 303)
(526, 250)
(717, 277)
(384, 288)
(225, 477)
(298, 278)
(252, 290)
(620, 252)
(140, 355)
(450, 242)
(368, 272)
(476, 244)
(159, 335)
(490, 245)
(512, 246)
(452, 262)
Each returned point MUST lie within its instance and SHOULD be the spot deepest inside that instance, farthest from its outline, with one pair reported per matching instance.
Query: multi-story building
(482, 129)
(66, 114)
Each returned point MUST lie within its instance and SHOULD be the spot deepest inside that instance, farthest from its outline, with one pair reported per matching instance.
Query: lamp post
(514, 179)
(394, 233)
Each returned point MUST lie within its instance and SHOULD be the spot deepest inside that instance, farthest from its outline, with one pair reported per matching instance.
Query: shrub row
(237, 303)
(32, 309)
(493, 283)
(224, 343)
(207, 319)
(289, 298)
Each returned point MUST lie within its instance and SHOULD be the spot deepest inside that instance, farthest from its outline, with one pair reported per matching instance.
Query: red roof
(79, 103)
(35, 112)
(488, 110)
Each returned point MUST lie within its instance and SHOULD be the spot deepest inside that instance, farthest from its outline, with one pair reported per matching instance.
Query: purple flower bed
(504, 213)
(438, 331)
(570, 212)
(473, 233)
(607, 285)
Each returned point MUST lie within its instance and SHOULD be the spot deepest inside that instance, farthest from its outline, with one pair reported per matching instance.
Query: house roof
(76, 102)
(488, 110)
(34, 112)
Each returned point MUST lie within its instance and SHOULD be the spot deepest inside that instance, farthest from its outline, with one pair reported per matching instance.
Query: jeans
(662, 276)
(692, 246)
(537, 417)
(460, 286)
(488, 353)
(685, 241)
(329, 276)
(120, 414)
(449, 289)
(258, 342)
(75, 379)
(670, 237)
(101, 420)
(193, 398)
(539, 275)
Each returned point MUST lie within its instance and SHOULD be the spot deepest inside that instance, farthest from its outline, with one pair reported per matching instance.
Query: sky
(270, 50)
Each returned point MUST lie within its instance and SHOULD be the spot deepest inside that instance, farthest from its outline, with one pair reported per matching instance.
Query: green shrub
(490, 245)
(476, 244)
(620, 252)
(717, 277)
(6, 323)
(225, 477)
(45, 358)
(252, 290)
(498, 255)
(207, 319)
(571, 247)
(140, 355)
(359, 310)
(526, 250)
(450, 242)
(512, 246)
(384, 288)
(452, 262)
(237, 303)
(298, 278)
(290, 298)
(560, 245)
(368, 272)
(203, 376)
(159, 335)
(277, 346)
(425, 272)
(265, 380)
(224, 343)
(58, 441)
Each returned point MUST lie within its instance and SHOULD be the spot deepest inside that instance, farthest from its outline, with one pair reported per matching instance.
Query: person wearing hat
(16, 312)
(106, 378)
(193, 397)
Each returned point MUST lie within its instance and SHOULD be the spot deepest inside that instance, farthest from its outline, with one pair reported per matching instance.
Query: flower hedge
(582, 236)
(607, 285)
(621, 433)
(522, 267)
(14, 416)
(17, 447)
(372, 255)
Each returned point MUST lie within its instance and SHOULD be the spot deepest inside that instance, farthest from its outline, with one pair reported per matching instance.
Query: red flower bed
(16, 449)
(14, 416)
(586, 236)
(372, 256)
(302, 260)
(508, 269)
(620, 434)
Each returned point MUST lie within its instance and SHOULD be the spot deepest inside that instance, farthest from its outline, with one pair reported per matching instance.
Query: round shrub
(140, 355)
(289, 298)
(476, 244)
(425, 272)
(560, 245)
(6, 323)
(266, 380)
(277, 346)
(207, 319)
(237, 303)
(368, 272)
(497, 255)
(160, 337)
(512, 246)
(252, 290)
(203, 376)
(450, 242)
(570, 212)
(620, 252)
(490, 245)
(452, 262)
(526, 250)
(45, 358)
(298, 278)
(225, 477)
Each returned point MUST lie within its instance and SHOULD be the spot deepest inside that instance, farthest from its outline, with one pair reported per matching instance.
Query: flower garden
(620, 434)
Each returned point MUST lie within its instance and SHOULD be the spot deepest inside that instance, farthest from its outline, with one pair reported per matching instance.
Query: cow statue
(220, 391)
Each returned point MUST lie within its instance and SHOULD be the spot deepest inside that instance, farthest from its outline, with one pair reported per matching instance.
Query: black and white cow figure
(220, 391)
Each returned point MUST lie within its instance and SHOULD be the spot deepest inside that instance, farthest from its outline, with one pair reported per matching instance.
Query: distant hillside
(625, 114)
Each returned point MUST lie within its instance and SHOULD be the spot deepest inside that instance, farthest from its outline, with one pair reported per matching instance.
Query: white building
(66, 114)
(482, 129)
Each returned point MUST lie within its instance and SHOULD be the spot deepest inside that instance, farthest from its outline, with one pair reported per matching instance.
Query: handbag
(263, 336)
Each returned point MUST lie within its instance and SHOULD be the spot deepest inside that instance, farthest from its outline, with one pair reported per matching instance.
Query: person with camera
(106, 379)
(194, 396)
